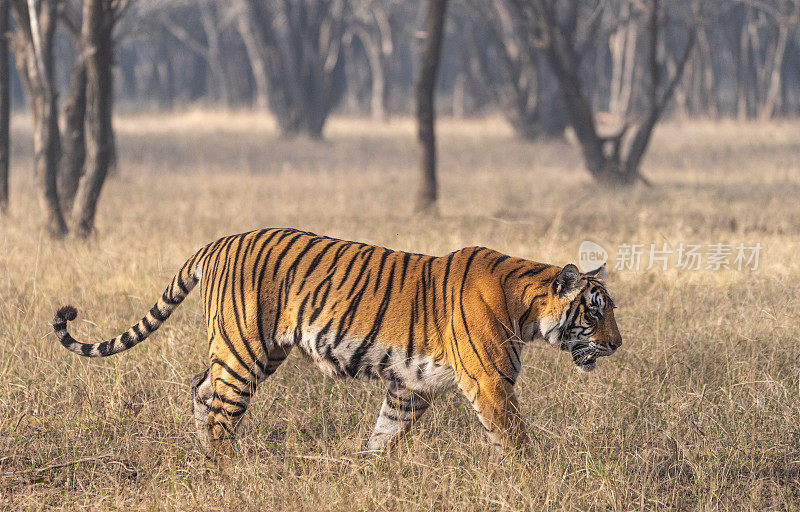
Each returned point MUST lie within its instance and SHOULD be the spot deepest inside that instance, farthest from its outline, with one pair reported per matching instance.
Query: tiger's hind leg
(401, 408)
(202, 392)
(231, 391)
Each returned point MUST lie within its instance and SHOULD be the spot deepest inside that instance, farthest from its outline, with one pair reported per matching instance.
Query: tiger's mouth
(584, 355)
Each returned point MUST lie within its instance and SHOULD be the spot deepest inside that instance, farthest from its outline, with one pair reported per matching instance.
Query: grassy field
(698, 410)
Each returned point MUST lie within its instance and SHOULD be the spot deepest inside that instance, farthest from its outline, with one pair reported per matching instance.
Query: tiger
(422, 324)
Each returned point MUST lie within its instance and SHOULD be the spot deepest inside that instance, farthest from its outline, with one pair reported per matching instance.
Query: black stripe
(230, 370)
(381, 266)
(346, 320)
(447, 275)
(455, 344)
(291, 272)
(285, 250)
(321, 334)
(169, 300)
(147, 325)
(537, 269)
(348, 268)
(277, 312)
(369, 339)
(498, 261)
(256, 361)
(391, 417)
(525, 315)
(327, 285)
(516, 363)
(139, 335)
(257, 262)
(260, 317)
(184, 290)
(106, 348)
(411, 326)
(238, 266)
(230, 414)
(406, 259)
(298, 326)
(243, 392)
(127, 340)
(228, 401)
(339, 252)
(156, 313)
(367, 255)
(212, 280)
(404, 405)
(384, 362)
(318, 258)
(222, 424)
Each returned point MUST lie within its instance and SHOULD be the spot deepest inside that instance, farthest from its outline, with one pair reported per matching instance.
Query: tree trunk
(165, 74)
(211, 30)
(768, 107)
(459, 95)
(681, 108)
(743, 70)
(98, 22)
(47, 151)
(425, 89)
(33, 49)
(5, 107)
(710, 94)
(73, 141)
(377, 74)
(257, 62)
(299, 44)
(269, 67)
(622, 46)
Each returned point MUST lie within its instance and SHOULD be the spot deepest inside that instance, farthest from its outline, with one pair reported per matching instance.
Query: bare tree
(743, 61)
(532, 108)
(784, 16)
(32, 44)
(565, 30)
(295, 51)
(622, 44)
(371, 25)
(426, 87)
(99, 17)
(205, 44)
(73, 137)
(5, 107)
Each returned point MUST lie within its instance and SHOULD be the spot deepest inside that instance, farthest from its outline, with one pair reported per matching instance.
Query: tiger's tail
(183, 282)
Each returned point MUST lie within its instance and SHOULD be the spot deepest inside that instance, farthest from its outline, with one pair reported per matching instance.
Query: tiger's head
(582, 320)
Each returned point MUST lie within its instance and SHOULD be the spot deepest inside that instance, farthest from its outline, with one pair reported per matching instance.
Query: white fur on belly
(418, 373)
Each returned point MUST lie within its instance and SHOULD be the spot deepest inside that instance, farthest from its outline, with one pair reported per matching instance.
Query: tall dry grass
(698, 410)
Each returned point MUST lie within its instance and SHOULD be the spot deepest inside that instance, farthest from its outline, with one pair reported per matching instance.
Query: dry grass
(698, 410)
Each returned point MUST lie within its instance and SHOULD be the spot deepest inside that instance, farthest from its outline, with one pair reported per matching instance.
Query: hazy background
(179, 54)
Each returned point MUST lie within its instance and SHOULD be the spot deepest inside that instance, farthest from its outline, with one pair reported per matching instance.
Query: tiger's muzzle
(585, 354)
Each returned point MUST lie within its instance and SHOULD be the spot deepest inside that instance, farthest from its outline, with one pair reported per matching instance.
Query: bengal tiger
(421, 323)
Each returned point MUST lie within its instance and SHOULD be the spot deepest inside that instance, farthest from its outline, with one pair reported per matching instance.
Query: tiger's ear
(567, 280)
(599, 273)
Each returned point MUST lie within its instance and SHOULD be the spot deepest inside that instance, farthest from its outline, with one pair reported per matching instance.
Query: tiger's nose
(615, 342)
